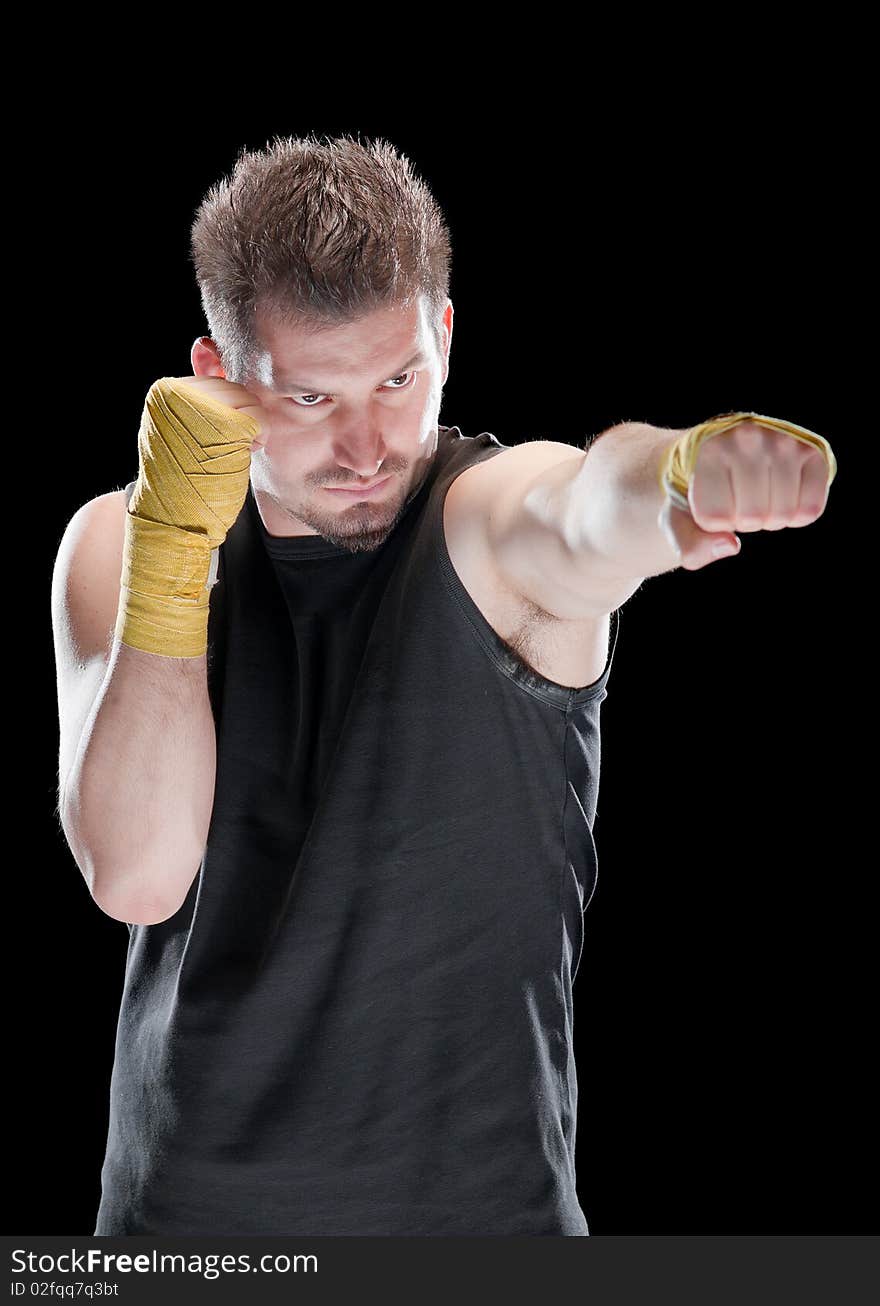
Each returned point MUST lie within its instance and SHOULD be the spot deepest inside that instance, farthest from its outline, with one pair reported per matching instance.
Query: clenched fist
(748, 478)
(194, 446)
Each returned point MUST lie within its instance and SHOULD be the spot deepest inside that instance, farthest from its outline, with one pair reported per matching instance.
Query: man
(329, 685)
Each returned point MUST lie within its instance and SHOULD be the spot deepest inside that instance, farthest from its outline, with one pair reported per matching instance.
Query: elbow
(148, 895)
(133, 907)
(144, 896)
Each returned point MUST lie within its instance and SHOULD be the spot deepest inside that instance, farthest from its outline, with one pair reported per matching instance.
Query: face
(348, 407)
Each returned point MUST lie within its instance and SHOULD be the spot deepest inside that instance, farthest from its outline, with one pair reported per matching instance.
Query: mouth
(358, 491)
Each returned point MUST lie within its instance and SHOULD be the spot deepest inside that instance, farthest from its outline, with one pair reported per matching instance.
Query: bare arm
(137, 759)
(575, 532)
(611, 503)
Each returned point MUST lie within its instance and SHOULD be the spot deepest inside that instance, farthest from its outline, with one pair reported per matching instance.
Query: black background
(659, 261)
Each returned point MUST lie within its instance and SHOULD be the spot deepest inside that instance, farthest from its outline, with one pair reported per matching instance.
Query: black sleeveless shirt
(360, 1020)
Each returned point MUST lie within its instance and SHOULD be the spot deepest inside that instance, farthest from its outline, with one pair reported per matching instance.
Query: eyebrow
(286, 383)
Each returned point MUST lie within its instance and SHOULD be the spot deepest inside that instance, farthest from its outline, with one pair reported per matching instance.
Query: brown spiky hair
(315, 232)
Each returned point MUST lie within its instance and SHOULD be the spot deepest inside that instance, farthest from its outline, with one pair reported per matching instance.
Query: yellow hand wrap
(193, 478)
(680, 459)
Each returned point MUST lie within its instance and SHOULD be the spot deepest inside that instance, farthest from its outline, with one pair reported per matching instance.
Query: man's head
(323, 271)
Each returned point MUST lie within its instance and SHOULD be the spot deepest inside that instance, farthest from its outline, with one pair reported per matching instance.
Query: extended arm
(577, 533)
(610, 504)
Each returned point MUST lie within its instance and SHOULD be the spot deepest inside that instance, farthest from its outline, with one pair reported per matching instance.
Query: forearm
(611, 501)
(138, 800)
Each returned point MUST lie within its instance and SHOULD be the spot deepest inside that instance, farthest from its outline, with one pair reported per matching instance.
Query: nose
(362, 455)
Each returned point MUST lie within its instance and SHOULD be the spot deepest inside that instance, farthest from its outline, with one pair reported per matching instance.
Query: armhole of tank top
(564, 697)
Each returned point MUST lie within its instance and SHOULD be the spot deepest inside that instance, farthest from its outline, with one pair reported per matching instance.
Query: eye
(403, 376)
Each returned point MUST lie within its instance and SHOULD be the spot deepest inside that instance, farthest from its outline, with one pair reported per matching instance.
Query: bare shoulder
(512, 467)
(488, 487)
(568, 651)
(85, 598)
(85, 578)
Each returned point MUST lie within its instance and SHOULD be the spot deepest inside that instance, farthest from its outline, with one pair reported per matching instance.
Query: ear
(205, 358)
(448, 314)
